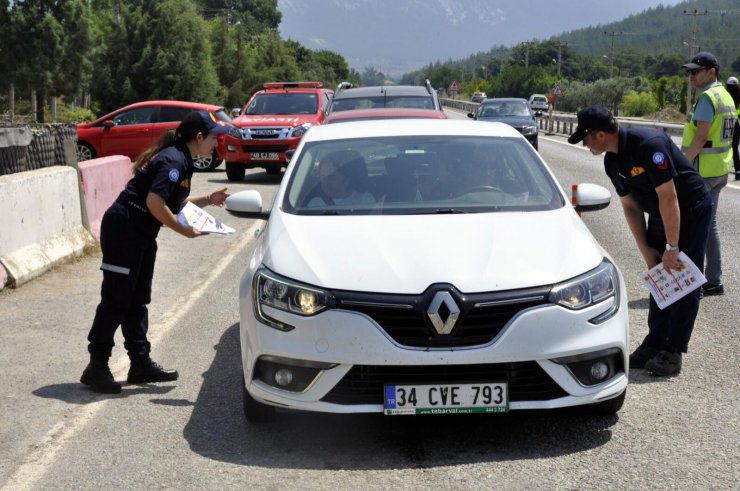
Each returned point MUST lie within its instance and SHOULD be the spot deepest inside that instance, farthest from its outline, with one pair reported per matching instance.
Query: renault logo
(443, 312)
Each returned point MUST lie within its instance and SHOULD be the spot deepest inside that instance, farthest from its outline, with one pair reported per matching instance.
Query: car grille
(363, 384)
(266, 133)
(404, 317)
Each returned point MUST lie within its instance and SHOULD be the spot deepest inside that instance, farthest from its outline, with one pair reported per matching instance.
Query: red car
(383, 113)
(271, 125)
(131, 130)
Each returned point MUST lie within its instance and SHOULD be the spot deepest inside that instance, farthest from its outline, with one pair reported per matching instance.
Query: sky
(397, 36)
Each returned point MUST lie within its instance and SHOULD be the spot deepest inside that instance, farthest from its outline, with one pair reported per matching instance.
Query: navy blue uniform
(128, 235)
(646, 159)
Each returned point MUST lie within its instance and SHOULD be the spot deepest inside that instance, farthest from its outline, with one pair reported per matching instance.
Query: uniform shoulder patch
(174, 174)
(659, 159)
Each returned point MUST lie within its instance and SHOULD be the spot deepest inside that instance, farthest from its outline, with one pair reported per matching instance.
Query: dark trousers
(670, 329)
(128, 267)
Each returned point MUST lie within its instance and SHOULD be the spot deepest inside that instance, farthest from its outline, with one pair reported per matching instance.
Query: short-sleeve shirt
(646, 159)
(167, 174)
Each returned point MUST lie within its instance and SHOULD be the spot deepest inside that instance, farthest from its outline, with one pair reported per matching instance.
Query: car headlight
(529, 130)
(235, 132)
(300, 130)
(281, 293)
(588, 289)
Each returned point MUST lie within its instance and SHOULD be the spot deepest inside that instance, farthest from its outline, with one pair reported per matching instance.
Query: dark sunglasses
(694, 71)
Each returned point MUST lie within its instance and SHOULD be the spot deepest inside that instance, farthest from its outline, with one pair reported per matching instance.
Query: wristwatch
(669, 247)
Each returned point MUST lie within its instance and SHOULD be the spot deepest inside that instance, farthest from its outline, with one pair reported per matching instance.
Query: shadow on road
(79, 394)
(217, 430)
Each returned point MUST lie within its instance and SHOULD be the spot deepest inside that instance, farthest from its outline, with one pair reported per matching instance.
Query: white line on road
(39, 460)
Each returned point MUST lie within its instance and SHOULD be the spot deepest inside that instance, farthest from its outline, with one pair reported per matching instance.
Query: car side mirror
(246, 204)
(235, 111)
(471, 115)
(590, 197)
(108, 123)
(538, 113)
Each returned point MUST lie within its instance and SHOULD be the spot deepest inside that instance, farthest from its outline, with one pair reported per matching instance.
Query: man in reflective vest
(707, 143)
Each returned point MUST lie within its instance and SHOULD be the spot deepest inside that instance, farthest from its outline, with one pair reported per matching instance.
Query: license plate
(265, 156)
(446, 399)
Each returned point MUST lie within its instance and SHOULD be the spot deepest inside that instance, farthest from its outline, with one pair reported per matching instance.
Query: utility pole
(526, 54)
(560, 55)
(611, 50)
(694, 14)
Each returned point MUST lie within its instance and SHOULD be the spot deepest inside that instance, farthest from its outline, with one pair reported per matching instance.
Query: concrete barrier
(102, 181)
(40, 222)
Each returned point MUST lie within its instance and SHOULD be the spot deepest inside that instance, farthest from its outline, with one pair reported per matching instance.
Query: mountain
(396, 36)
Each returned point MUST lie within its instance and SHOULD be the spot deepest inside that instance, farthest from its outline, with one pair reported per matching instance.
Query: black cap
(592, 118)
(702, 60)
(201, 122)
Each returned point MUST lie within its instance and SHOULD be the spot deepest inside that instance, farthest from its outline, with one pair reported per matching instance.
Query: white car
(428, 266)
(538, 102)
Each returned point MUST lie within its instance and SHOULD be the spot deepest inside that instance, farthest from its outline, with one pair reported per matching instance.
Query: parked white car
(427, 266)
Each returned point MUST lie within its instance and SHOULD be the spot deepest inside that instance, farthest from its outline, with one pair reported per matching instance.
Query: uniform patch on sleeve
(173, 175)
(660, 160)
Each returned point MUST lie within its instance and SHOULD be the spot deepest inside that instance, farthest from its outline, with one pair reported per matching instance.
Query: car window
(173, 113)
(504, 109)
(419, 175)
(140, 115)
(370, 102)
(283, 103)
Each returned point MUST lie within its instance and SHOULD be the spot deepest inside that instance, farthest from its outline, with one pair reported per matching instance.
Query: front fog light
(599, 370)
(283, 377)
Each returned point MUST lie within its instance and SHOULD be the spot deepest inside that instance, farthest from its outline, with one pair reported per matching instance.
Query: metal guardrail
(565, 123)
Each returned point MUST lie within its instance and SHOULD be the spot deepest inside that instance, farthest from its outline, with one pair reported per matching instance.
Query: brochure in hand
(202, 221)
(667, 287)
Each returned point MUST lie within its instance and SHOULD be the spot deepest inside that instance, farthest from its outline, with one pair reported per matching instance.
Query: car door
(129, 132)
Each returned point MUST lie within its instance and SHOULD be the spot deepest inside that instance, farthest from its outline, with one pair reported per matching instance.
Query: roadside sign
(453, 89)
(557, 90)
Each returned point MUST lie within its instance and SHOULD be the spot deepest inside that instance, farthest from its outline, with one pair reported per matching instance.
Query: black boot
(143, 370)
(97, 376)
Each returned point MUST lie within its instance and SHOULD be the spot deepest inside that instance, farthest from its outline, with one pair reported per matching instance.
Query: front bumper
(256, 153)
(345, 357)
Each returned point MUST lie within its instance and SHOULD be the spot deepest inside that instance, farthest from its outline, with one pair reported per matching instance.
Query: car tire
(205, 164)
(235, 171)
(609, 407)
(255, 412)
(273, 170)
(85, 151)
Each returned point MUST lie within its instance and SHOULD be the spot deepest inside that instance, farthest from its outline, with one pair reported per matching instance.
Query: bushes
(639, 103)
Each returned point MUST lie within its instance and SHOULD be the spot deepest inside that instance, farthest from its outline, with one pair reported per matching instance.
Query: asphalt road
(676, 433)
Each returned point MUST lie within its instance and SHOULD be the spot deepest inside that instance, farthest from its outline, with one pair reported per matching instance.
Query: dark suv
(512, 111)
(347, 97)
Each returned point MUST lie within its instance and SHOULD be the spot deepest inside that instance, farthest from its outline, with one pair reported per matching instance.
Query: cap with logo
(702, 60)
(592, 118)
(732, 81)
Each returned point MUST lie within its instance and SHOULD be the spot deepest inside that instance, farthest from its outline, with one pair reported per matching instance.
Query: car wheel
(235, 171)
(272, 170)
(85, 152)
(610, 407)
(204, 164)
(254, 411)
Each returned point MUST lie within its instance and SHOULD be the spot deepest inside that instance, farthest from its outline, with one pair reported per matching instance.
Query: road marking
(36, 463)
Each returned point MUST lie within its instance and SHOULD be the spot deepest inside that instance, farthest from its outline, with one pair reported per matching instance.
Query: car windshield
(412, 175)
(346, 104)
(504, 110)
(283, 103)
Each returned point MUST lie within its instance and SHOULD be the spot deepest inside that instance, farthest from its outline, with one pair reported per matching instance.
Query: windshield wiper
(448, 211)
(332, 212)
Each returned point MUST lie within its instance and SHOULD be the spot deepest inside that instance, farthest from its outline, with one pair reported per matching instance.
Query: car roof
(383, 113)
(417, 90)
(196, 106)
(409, 127)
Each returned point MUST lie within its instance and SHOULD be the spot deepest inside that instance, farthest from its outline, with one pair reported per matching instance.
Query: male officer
(651, 175)
(707, 143)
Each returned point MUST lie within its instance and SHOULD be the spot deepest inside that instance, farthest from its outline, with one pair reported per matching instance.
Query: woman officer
(157, 192)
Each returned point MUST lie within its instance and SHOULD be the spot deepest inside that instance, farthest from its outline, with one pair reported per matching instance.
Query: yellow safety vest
(715, 159)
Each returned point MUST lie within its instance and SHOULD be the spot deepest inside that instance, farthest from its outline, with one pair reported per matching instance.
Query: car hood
(405, 254)
(515, 122)
(275, 119)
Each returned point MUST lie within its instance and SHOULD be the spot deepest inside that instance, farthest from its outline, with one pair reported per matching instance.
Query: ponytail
(167, 139)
